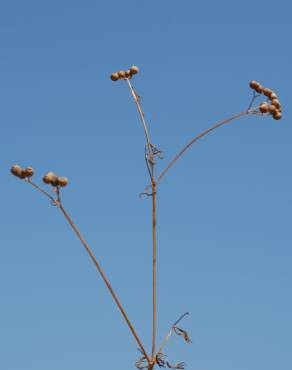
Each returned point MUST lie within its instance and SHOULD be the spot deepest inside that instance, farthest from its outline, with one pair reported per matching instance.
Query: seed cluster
(273, 105)
(54, 180)
(22, 173)
(123, 75)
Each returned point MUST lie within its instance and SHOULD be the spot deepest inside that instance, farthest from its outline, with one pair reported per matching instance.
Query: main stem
(94, 260)
(154, 295)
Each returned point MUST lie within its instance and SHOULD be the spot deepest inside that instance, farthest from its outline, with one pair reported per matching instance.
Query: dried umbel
(22, 173)
(272, 106)
(124, 75)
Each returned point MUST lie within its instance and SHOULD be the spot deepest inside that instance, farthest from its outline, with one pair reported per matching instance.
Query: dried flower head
(276, 103)
(272, 109)
(259, 88)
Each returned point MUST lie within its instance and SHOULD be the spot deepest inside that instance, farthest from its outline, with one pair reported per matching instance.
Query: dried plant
(271, 106)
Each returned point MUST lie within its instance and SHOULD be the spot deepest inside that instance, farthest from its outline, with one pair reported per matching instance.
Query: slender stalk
(141, 114)
(154, 284)
(94, 260)
(58, 203)
(196, 138)
(150, 165)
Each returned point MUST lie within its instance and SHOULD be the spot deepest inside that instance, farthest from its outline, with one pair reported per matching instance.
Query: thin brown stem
(102, 274)
(141, 114)
(58, 203)
(154, 294)
(196, 138)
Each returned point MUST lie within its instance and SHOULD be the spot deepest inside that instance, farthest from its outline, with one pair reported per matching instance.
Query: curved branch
(196, 138)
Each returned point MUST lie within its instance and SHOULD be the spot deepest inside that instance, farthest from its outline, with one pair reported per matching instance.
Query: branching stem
(196, 138)
(58, 203)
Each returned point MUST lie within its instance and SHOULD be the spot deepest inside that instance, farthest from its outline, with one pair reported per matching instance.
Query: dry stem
(58, 203)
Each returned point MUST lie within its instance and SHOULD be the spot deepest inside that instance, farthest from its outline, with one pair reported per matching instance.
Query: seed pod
(264, 107)
(273, 96)
(50, 178)
(267, 92)
(272, 109)
(128, 73)
(259, 89)
(277, 115)
(122, 74)
(276, 103)
(16, 170)
(134, 70)
(63, 181)
(253, 84)
(114, 76)
(29, 171)
(22, 174)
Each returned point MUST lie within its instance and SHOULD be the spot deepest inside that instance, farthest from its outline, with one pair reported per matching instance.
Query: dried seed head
(264, 107)
(253, 84)
(16, 170)
(63, 181)
(268, 92)
(277, 115)
(28, 172)
(259, 88)
(276, 103)
(50, 178)
(114, 76)
(134, 70)
(122, 74)
(272, 109)
(22, 174)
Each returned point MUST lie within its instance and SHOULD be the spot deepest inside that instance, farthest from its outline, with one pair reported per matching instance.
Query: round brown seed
(264, 107)
(29, 171)
(114, 76)
(253, 84)
(273, 96)
(272, 109)
(268, 92)
(277, 115)
(134, 70)
(276, 103)
(128, 73)
(16, 170)
(50, 178)
(63, 181)
(122, 74)
(259, 89)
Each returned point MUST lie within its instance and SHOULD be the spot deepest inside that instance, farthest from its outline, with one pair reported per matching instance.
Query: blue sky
(224, 211)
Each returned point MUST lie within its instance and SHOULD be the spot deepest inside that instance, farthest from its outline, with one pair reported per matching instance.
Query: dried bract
(182, 333)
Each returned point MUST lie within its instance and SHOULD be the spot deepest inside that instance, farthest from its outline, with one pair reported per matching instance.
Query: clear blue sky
(224, 212)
